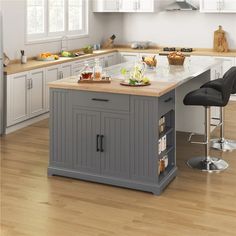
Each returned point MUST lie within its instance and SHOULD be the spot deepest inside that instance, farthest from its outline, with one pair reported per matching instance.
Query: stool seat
(204, 97)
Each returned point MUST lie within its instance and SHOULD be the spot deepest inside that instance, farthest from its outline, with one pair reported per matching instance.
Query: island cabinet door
(114, 145)
(85, 131)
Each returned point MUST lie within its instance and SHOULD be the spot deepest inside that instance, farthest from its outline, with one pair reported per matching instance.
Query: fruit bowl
(47, 56)
(176, 58)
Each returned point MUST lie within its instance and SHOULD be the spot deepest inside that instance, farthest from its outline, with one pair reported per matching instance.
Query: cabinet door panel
(110, 5)
(115, 158)
(229, 5)
(129, 57)
(146, 5)
(37, 93)
(52, 74)
(17, 96)
(129, 5)
(210, 5)
(111, 60)
(85, 128)
(106, 5)
(66, 70)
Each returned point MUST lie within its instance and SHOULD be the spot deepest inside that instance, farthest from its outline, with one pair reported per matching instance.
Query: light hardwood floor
(32, 204)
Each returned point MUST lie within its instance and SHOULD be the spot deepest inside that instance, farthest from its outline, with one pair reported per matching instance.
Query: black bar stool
(208, 97)
(222, 143)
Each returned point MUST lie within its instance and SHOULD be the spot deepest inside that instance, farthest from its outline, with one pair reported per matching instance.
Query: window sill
(54, 39)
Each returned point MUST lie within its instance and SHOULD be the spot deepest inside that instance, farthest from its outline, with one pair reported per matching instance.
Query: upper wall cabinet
(218, 6)
(106, 5)
(125, 5)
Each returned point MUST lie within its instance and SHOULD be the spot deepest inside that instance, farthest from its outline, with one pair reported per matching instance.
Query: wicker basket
(176, 61)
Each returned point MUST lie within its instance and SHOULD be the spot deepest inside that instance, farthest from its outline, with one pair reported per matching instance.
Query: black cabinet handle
(168, 99)
(100, 100)
(98, 150)
(101, 143)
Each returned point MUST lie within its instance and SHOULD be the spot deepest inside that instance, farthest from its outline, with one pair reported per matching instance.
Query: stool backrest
(231, 73)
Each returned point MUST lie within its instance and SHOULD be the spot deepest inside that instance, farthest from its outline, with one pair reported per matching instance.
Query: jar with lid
(87, 72)
(97, 71)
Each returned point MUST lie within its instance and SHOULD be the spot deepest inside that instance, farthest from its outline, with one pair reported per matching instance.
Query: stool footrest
(194, 142)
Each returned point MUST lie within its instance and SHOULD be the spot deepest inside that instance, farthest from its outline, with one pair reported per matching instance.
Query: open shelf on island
(166, 131)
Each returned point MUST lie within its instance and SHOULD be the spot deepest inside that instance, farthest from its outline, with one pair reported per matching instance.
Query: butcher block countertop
(33, 64)
(163, 80)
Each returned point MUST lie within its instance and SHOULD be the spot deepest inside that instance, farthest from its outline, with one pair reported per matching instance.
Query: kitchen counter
(163, 80)
(34, 64)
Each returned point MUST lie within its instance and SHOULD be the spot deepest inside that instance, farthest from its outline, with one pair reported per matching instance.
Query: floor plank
(32, 204)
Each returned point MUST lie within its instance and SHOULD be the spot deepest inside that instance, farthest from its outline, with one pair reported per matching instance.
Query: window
(48, 19)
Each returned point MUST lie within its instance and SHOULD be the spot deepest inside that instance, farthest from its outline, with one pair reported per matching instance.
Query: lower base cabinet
(112, 138)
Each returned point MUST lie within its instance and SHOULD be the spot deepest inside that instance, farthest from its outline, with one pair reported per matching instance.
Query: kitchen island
(111, 134)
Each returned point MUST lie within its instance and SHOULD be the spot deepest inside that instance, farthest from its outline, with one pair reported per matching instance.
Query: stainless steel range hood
(180, 6)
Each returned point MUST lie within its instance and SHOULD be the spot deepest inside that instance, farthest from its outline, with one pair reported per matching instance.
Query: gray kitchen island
(110, 134)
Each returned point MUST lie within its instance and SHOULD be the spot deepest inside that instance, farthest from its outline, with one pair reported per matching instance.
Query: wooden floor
(32, 204)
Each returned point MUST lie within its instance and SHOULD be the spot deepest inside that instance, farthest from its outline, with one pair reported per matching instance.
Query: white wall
(14, 31)
(181, 29)
(187, 29)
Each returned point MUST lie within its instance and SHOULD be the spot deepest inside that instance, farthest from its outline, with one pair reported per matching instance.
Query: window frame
(57, 36)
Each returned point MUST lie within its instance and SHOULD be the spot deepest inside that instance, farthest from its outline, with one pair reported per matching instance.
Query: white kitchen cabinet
(220, 6)
(52, 74)
(128, 5)
(106, 5)
(17, 97)
(77, 67)
(227, 63)
(25, 96)
(65, 70)
(125, 5)
(147, 5)
(111, 59)
(128, 57)
(37, 92)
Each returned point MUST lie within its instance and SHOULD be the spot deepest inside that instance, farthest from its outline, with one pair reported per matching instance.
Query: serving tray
(89, 81)
(136, 85)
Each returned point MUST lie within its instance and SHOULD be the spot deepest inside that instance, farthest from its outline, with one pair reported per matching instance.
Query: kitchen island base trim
(146, 187)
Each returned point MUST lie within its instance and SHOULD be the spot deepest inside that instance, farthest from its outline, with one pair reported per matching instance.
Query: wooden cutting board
(220, 40)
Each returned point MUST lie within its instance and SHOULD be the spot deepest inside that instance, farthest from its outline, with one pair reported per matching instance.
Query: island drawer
(105, 101)
(166, 103)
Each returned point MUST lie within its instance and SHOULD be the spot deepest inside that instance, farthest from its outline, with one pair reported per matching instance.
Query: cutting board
(220, 40)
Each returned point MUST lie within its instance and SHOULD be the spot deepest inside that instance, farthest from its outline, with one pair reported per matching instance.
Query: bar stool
(208, 97)
(222, 143)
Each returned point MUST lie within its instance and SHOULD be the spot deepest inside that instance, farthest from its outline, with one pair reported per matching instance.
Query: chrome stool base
(211, 164)
(224, 145)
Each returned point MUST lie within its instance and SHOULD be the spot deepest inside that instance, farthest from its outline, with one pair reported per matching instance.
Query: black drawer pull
(168, 99)
(98, 150)
(100, 100)
(101, 143)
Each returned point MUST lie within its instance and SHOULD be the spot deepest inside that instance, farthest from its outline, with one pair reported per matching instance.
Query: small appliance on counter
(140, 45)
(173, 49)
